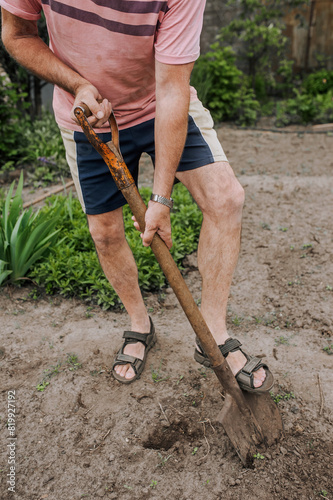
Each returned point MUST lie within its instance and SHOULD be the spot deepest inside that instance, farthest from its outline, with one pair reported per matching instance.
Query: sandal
(245, 376)
(148, 340)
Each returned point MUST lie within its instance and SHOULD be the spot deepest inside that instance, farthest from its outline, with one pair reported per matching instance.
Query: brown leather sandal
(148, 340)
(245, 376)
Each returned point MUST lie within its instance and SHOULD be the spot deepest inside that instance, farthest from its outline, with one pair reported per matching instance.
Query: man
(137, 56)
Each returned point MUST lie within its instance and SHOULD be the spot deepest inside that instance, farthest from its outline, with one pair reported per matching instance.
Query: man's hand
(157, 220)
(89, 95)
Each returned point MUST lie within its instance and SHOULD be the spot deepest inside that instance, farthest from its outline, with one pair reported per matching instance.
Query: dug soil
(84, 435)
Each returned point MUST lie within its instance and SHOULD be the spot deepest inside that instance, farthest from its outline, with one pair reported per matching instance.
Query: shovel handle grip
(112, 122)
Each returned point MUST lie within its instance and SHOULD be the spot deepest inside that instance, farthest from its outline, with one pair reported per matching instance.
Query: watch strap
(161, 199)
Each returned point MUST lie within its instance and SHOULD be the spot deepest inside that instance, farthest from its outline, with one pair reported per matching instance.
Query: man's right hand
(101, 109)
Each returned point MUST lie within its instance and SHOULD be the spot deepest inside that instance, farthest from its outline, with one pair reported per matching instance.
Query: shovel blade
(267, 415)
(242, 432)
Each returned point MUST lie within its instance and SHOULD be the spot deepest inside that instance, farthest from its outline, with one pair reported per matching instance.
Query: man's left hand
(157, 220)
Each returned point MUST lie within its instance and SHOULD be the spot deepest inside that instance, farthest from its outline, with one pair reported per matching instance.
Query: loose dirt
(87, 436)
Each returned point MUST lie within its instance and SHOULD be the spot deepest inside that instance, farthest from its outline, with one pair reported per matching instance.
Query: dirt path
(87, 436)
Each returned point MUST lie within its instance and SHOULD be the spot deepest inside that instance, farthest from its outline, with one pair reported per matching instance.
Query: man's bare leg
(118, 264)
(220, 198)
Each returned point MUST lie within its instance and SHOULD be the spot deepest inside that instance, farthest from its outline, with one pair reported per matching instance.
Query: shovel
(250, 420)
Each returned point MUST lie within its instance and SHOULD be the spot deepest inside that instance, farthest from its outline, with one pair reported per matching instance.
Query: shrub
(319, 82)
(305, 108)
(220, 86)
(12, 122)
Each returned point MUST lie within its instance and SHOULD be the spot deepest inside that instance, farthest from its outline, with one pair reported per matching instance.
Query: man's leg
(117, 261)
(220, 197)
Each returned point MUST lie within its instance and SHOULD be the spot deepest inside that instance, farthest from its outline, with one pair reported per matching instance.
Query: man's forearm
(170, 135)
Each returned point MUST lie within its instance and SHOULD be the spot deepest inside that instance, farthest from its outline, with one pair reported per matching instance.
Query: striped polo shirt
(113, 44)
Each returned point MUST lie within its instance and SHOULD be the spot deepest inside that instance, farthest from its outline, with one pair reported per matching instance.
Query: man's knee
(107, 233)
(226, 200)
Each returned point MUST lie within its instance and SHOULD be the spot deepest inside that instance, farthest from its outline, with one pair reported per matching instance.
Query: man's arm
(172, 104)
(20, 37)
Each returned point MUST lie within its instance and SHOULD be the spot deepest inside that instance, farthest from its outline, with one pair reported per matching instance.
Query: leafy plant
(319, 82)
(220, 86)
(259, 456)
(72, 268)
(257, 31)
(25, 237)
(328, 349)
(12, 121)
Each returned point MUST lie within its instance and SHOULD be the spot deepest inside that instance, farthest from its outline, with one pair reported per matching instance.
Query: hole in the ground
(163, 438)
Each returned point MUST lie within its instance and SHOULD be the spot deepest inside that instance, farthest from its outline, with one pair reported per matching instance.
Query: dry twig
(322, 400)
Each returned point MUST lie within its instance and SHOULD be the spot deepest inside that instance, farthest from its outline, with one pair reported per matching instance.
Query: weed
(282, 397)
(266, 226)
(329, 288)
(282, 341)
(323, 493)
(163, 460)
(236, 320)
(180, 379)
(73, 362)
(42, 386)
(153, 484)
(307, 245)
(328, 349)
(259, 456)
(202, 372)
(195, 449)
(156, 374)
(283, 229)
(128, 487)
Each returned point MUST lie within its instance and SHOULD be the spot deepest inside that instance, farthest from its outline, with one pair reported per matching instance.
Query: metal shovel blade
(240, 430)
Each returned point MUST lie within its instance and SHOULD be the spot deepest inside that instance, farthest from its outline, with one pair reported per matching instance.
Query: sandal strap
(252, 365)
(230, 345)
(136, 336)
(122, 359)
(245, 375)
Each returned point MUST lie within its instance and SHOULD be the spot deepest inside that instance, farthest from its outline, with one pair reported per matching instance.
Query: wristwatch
(160, 199)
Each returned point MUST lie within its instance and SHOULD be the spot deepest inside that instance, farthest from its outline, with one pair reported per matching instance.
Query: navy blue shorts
(94, 184)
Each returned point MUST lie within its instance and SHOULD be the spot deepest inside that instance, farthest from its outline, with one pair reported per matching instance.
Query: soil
(88, 436)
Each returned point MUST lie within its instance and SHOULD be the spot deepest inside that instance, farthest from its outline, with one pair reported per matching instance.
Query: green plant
(259, 456)
(42, 386)
(195, 449)
(219, 85)
(153, 484)
(282, 397)
(156, 374)
(237, 320)
(328, 349)
(163, 460)
(25, 236)
(73, 362)
(282, 340)
(72, 268)
(12, 121)
(319, 82)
